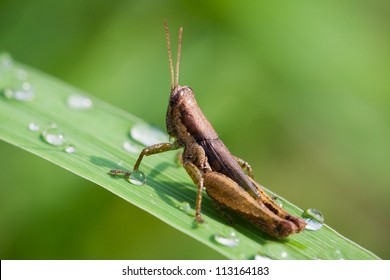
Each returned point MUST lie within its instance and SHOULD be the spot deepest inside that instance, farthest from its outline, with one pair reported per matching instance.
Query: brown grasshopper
(228, 180)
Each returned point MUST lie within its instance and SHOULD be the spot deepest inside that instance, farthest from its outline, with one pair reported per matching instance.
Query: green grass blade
(98, 135)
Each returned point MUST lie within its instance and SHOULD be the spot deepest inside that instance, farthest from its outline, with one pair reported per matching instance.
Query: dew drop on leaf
(33, 127)
(79, 102)
(70, 149)
(331, 254)
(260, 257)
(6, 61)
(227, 237)
(137, 177)
(53, 136)
(148, 134)
(131, 147)
(22, 91)
(185, 206)
(313, 218)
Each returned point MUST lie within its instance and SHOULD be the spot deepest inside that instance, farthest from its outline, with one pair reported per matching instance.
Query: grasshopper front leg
(151, 150)
(155, 149)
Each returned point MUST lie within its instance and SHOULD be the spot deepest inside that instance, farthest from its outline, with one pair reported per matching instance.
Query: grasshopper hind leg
(268, 202)
(273, 220)
(223, 212)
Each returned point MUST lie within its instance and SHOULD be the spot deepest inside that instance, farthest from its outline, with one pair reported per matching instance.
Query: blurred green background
(299, 89)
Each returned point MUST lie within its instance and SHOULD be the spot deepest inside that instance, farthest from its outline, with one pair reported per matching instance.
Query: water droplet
(148, 135)
(227, 238)
(33, 127)
(137, 178)
(79, 102)
(13, 80)
(260, 257)
(331, 254)
(53, 136)
(70, 149)
(313, 218)
(21, 92)
(131, 147)
(185, 206)
(337, 255)
(275, 251)
(5, 61)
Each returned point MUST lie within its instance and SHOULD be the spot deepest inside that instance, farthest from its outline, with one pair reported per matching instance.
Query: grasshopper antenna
(174, 80)
(178, 56)
(169, 55)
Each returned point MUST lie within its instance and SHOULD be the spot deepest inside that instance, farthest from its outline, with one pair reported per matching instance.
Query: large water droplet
(137, 177)
(53, 136)
(79, 102)
(227, 237)
(20, 92)
(313, 218)
(148, 135)
(70, 149)
(185, 206)
(33, 127)
(131, 147)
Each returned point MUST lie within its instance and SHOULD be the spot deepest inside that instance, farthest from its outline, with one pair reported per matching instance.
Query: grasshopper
(228, 180)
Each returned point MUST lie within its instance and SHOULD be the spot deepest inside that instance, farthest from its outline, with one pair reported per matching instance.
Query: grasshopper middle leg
(245, 166)
(197, 177)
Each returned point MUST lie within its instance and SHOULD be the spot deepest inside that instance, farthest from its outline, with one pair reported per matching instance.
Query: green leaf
(98, 135)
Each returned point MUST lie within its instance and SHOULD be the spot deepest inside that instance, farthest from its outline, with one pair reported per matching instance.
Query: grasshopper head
(183, 112)
(180, 94)
(181, 98)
